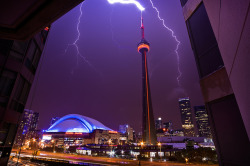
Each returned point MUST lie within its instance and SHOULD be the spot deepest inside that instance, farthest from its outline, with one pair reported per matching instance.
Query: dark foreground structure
(18, 65)
(21, 20)
(27, 21)
(219, 33)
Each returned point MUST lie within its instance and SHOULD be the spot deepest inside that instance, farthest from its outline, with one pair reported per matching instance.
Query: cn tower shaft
(148, 124)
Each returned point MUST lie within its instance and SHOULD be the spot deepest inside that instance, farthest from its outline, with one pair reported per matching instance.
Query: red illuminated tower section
(148, 125)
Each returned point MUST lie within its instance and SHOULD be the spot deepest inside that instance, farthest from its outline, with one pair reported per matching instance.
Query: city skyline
(89, 66)
(103, 86)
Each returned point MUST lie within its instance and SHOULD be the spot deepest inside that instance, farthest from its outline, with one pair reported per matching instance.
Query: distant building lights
(78, 133)
(69, 133)
(46, 28)
(113, 132)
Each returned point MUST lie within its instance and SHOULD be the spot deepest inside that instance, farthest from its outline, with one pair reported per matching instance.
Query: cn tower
(148, 124)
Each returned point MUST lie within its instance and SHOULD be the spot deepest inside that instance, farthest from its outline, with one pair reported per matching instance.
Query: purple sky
(108, 88)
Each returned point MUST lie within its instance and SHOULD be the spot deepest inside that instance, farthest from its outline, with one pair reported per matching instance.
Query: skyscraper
(148, 124)
(186, 117)
(32, 133)
(202, 121)
(34, 121)
(24, 126)
(158, 123)
(27, 126)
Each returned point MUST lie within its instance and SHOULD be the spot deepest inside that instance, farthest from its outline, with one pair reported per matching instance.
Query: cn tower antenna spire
(142, 27)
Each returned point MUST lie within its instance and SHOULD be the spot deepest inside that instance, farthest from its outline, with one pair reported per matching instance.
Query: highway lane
(102, 160)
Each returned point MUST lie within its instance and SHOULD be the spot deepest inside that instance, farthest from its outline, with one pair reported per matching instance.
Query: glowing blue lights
(76, 130)
(76, 123)
(137, 4)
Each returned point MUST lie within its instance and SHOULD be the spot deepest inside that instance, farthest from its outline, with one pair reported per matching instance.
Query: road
(101, 160)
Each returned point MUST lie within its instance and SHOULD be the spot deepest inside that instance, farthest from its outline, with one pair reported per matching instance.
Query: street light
(141, 147)
(111, 152)
(141, 143)
(53, 141)
(159, 144)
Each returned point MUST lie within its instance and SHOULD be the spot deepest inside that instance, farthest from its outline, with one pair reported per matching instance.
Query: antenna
(142, 27)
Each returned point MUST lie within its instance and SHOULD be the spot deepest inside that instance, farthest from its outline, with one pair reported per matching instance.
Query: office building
(24, 127)
(186, 117)
(168, 126)
(219, 34)
(158, 123)
(34, 121)
(33, 131)
(127, 132)
(202, 121)
(27, 127)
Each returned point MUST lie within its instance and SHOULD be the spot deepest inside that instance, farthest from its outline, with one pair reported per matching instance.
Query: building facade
(186, 117)
(76, 130)
(168, 126)
(27, 127)
(202, 121)
(219, 35)
(158, 123)
(33, 131)
(127, 132)
(24, 127)
(18, 64)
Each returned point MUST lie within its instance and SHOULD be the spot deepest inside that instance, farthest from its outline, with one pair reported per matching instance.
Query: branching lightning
(177, 41)
(74, 44)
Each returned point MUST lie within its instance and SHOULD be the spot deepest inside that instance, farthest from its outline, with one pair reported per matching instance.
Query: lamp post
(111, 152)
(159, 144)
(141, 143)
(22, 141)
(53, 141)
(34, 147)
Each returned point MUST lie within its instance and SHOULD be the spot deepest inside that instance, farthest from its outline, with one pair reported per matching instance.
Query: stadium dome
(76, 123)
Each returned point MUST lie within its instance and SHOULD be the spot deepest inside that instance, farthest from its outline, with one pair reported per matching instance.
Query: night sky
(107, 87)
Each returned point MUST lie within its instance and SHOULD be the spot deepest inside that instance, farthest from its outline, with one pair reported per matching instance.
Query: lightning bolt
(137, 4)
(177, 41)
(74, 44)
